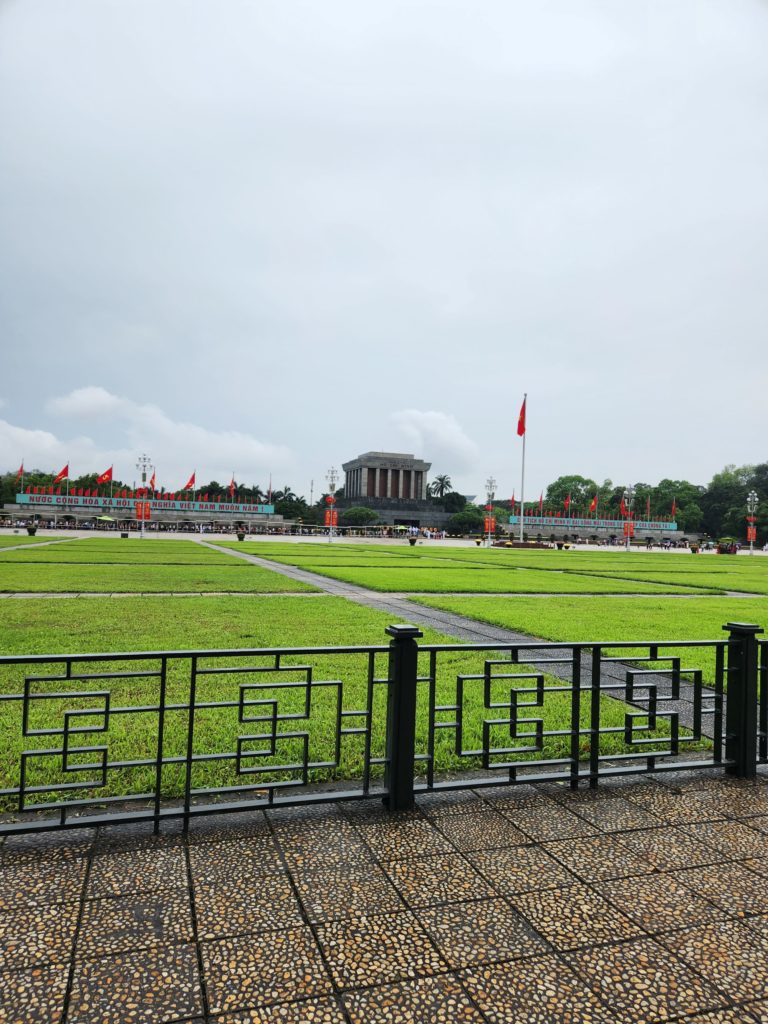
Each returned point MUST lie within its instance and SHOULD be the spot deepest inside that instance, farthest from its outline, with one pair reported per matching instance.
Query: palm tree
(440, 486)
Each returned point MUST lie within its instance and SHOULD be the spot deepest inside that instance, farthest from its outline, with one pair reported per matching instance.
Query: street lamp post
(490, 490)
(142, 464)
(752, 501)
(332, 477)
(629, 497)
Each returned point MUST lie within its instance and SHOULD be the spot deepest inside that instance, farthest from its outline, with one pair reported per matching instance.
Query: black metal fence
(98, 738)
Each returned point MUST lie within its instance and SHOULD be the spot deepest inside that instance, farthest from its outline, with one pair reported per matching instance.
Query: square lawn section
(134, 566)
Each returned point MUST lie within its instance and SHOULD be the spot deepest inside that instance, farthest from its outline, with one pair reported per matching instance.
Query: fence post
(401, 716)
(741, 707)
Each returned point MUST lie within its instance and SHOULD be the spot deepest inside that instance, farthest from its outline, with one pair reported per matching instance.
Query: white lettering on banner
(156, 504)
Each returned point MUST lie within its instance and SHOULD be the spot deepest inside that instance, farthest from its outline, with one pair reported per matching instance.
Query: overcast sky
(264, 236)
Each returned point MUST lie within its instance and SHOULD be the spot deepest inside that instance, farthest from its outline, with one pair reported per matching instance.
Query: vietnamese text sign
(57, 502)
(599, 524)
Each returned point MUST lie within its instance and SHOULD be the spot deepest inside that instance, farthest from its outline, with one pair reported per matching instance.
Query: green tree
(358, 515)
(440, 486)
(468, 521)
(582, 490)
(454, 502)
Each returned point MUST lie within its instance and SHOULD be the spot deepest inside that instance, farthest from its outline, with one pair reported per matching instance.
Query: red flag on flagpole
(105, 477)
(189, 485)
(20, 472)
(567, 503)
(232, 486)
(63, 474)
(593, 504)
(152, 481)
(623, 506)
(674, 507)
(521, 419)
(541, 502)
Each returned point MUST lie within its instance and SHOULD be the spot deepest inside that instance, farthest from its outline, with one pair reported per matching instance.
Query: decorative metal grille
(101, 738)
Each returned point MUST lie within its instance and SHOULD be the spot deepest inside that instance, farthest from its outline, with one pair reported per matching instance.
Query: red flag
(623, 507)
(80, 492)
(541, 496)
(521, 419)
(189, 485)
(674, 507)
(87, 492)
(567, 503)
(593, 504)
(63, 474)
(105, 477)
(152, 481)
(232, 486)
(20, 472)
(29, 489)
(35, 490)
(58, 490)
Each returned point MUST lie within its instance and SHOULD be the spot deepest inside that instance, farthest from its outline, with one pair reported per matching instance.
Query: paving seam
(463, 628)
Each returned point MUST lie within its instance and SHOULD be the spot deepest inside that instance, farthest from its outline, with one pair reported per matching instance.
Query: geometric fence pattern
(155, 735)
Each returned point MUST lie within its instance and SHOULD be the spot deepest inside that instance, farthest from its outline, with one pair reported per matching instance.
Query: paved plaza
(644, 901)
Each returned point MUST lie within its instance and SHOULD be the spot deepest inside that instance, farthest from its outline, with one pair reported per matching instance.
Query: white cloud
(176, 447)
(437, 436)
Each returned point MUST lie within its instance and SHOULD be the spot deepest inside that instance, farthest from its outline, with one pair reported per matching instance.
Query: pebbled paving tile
(377, 949)
(740, 1016)
(226, 828)
(32, 881)
(242, 972)
(142, 870)
(671, 807)
(733, 887)
(670, 848)
(35, 995)
(480, 830)
(404, 840)
(481, 932)
(549, 821)
(615, 814)
(642, 982)
(252, 905)
(538, 991)
(658, 902)
(759, 1011)
(732, 839)
(329, 895)
(332, 843)
(573, 916)
(413, 1002)
(733, 957)
(457, 801)
(37, 935)
(599, 858)
(433, 880)
(122, 923)
(309, 1011)
(141, 987)
(520, 869)
(237, 860)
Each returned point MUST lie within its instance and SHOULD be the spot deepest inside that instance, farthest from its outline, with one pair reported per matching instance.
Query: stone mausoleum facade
(394, 485)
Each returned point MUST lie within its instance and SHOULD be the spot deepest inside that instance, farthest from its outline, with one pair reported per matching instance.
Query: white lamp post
(142, 464)
(332, 477)
(490, 490)
(629, 497)
(752, 501)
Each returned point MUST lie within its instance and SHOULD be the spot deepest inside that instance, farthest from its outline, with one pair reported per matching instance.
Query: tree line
(718, 509)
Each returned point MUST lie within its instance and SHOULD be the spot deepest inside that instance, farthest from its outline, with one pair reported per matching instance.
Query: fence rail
(116, 737)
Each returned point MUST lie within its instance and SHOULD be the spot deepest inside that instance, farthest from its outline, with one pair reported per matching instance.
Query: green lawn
(55, 626)
(116, 552)
(8, 539)
(236, 577)
(604, 619)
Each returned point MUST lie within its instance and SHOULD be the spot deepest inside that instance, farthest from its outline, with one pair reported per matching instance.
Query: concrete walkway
(642, 902)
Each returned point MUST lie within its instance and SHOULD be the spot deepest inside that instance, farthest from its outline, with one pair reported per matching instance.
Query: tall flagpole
(522, 476)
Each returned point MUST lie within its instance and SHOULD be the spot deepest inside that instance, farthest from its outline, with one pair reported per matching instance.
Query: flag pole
(522, 476)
